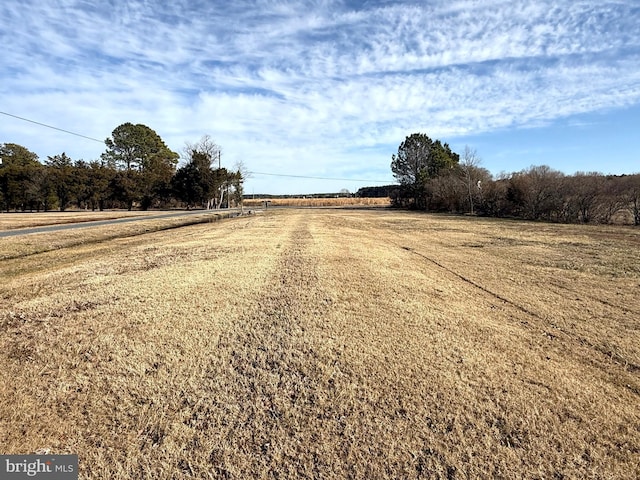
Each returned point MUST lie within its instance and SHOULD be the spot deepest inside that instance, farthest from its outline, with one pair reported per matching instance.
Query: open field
(328, 344)
(319, 202)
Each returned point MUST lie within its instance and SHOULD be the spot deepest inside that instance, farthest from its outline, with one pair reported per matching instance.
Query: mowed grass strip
(14, 220)
(101, 354)
(329, 344)
(16, 247)
(488, 389)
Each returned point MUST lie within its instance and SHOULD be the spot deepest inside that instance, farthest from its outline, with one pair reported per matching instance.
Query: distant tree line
(433, 178)
(380, 191)
(136, 169)
(267, 196)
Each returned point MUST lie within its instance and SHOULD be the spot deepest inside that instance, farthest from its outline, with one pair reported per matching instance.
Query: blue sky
(330, 88)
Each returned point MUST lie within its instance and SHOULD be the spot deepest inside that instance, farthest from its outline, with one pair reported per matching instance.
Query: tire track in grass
(497, 296)
(403, 241)
(273, 395)
(545, 325)
(288, 400)
(563, 288)
(630, 367)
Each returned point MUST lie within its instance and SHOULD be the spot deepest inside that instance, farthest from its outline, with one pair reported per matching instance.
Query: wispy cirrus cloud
(325, 86)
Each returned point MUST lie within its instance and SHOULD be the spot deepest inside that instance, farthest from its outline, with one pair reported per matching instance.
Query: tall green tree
(237, 183)
(131, 147)
(190, 185)
(80, 183)
(155, 181)
(198, 183)
(60, 169)
(125, 188)
(201, 181)
(43, 189)
(19, 177)
(146, 161)
(419, 159)
(99, 182)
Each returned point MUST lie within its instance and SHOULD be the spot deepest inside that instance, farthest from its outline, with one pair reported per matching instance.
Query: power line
(253, 173)
(52, 127)
(319, 178)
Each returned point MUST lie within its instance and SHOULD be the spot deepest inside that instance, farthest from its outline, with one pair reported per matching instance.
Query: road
(99, 223)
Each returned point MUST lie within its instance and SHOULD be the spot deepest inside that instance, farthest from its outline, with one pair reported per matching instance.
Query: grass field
(63, 239)
(327, 344)
(14, 220)
(319, 202)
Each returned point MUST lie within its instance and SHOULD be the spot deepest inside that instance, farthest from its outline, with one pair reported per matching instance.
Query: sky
(329, 88)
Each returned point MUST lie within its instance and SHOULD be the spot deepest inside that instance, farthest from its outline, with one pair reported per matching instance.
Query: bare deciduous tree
(468, 167)
(206, 147)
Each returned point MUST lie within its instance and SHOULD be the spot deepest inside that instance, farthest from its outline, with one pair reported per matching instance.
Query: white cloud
(302, 86)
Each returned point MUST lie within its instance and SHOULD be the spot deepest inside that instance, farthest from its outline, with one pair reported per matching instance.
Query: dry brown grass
(13, 220)
(329, 344)
(319, 202)
(21, 245)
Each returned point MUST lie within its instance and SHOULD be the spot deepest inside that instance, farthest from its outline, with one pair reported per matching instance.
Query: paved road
(98, 223)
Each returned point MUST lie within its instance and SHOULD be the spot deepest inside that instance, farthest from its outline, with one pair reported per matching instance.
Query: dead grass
(319, 202)
(22, 245)
(12, 220)
(329, 344)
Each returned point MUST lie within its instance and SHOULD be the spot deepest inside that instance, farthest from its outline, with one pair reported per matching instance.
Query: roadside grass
(329, 344)
(13, 220)
(22, 245)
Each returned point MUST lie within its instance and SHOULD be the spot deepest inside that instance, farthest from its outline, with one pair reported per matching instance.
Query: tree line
(433, 178)
(136, 169)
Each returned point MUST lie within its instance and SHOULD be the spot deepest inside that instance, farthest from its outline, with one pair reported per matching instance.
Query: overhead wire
(318, 178)
(52, 127)
(251, 172)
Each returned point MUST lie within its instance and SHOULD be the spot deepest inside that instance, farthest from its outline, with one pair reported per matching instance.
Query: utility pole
(221, 186)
